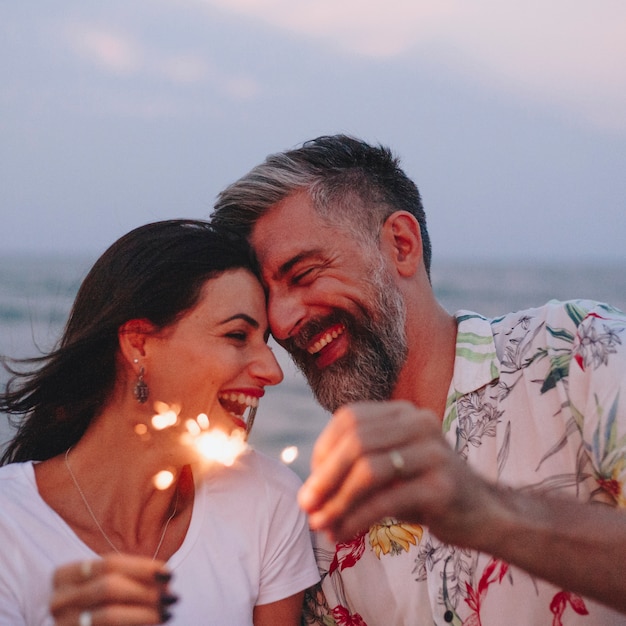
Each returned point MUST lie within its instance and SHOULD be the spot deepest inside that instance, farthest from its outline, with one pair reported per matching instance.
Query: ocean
(36, 294)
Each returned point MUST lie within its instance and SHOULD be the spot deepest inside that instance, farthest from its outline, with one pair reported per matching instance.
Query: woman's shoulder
(18, 487)
(253, 472)
(270, 469)
(22, 473)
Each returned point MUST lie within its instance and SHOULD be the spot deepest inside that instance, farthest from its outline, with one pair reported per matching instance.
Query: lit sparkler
(216, 445)
(212, 444)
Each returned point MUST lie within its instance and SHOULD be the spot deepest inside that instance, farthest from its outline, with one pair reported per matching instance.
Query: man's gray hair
(352, 184)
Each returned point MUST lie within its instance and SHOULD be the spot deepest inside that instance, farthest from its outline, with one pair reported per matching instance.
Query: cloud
(187, 69)
(241, 88)
(122, 54)
(377, 29)
(568, 54)
(111, 51)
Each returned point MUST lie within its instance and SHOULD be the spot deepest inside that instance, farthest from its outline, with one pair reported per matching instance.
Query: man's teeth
(325, 340)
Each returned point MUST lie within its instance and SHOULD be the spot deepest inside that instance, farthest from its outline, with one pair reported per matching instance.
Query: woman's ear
(401, 234)
(132, 337)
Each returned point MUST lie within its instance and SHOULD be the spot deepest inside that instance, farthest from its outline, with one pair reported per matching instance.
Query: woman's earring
(141, 391)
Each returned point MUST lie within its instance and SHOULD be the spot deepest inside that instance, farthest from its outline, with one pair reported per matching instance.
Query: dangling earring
(141, 390)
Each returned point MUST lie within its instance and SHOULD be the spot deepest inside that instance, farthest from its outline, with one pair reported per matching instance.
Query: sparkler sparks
(216, 445)
(166, 416)
(211, 444)
(289, 454)
(162, 480)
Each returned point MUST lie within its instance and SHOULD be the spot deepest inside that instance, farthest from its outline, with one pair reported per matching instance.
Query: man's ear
(401, 235)
(132, 337)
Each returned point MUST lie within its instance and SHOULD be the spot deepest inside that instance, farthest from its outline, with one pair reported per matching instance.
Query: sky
(509, 116)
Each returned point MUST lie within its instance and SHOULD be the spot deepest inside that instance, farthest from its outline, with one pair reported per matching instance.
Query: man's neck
(425, 378)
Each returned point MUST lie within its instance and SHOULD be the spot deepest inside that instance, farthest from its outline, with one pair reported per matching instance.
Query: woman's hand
(118, 589)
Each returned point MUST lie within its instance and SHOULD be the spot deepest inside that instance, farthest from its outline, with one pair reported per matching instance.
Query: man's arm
(579, 547)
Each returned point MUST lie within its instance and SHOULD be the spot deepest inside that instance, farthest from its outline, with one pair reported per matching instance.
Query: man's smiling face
(331, 303)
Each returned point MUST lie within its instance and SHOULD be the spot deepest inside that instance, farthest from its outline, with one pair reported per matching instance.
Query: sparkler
(212, 445)
(224, 448)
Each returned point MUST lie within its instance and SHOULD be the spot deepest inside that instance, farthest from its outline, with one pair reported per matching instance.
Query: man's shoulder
(556, 327)
(555, 313)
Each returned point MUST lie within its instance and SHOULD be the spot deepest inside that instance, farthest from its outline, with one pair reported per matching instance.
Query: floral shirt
(534, 403)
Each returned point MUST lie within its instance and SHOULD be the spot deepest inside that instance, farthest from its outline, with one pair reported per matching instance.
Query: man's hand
(389, 459)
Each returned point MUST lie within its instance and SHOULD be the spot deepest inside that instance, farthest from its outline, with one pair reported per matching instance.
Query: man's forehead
(278, 256)
(286, 229)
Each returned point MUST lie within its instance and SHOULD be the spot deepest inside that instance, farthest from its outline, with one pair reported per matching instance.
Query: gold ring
(397, 461)
(86, 568)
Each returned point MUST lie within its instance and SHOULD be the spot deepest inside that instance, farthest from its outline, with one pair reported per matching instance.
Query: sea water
(36, 294)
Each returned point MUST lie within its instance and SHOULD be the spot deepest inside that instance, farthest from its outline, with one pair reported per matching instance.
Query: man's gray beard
(377, 353)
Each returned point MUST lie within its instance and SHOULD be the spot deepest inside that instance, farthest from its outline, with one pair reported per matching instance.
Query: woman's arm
(286, 612)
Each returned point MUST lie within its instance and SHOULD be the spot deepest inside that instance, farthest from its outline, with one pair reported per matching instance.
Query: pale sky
(509, 116)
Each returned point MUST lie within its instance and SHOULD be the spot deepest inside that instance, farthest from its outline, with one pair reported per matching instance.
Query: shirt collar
(476, 363)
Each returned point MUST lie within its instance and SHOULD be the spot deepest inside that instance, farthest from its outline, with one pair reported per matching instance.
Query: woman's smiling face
(215, 359)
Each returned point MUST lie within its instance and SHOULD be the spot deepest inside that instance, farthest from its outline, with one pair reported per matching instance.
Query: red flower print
(578, 357)
(493, 572)
(347, 553)
(559, 604)
(343, 617)
(611, 486)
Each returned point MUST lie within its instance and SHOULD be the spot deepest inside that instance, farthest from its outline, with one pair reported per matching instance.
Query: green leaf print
(559, 369)
(576, 313)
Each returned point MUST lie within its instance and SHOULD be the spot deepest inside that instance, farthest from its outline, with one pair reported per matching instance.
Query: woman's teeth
(237, 403)
(325, 340)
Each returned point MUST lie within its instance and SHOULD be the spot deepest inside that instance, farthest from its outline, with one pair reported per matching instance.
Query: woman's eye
(238, 336)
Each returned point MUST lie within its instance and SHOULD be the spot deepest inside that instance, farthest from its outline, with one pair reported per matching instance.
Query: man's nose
(285, 313)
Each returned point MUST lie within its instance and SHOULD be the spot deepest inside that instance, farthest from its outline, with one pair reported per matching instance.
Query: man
(490, 470)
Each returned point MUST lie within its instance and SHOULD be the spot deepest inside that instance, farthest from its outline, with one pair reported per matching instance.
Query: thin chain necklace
(97, 523)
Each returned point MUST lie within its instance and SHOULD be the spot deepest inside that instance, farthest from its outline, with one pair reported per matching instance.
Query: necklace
(95, 519)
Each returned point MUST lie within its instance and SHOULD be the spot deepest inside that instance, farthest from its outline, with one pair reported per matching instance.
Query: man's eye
(298, 278)
(238, 336)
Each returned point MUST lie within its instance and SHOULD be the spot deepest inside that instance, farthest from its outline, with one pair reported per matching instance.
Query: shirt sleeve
(288, 560)
(597, 396)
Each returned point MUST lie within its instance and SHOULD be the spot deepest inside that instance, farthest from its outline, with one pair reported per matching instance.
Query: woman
(171, 316)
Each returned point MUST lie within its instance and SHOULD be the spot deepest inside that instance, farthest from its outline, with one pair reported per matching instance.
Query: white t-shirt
(247, 544)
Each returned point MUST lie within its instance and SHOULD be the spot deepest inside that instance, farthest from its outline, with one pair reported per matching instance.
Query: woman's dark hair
(154, 272)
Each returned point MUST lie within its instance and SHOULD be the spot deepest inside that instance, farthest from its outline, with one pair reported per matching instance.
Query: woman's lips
(238, 402)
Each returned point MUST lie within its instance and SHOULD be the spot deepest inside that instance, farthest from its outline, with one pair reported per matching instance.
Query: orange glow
(162, 480)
